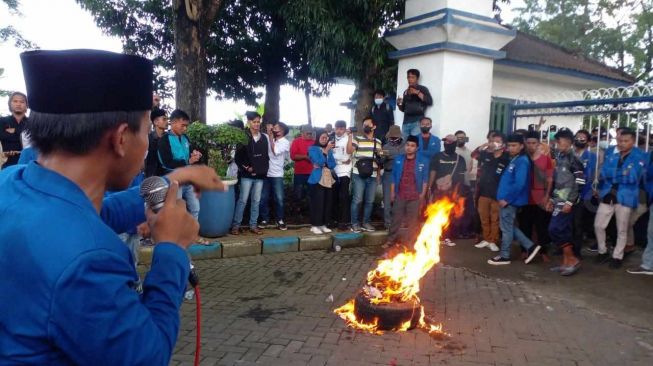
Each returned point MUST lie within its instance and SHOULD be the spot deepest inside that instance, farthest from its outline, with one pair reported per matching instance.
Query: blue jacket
(421, 171)
(514, 182)
(429, 150)
(628, 177)
(648, 182)
(316, 157)
(28, 154)
(66, 295)
(588, 158)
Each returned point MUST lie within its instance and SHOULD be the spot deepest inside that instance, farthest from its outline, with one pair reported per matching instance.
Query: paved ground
(271, 310)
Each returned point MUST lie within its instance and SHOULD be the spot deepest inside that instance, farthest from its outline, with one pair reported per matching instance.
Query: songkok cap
(87, 81)
(412, 138)
(515, 138)
(156, 113)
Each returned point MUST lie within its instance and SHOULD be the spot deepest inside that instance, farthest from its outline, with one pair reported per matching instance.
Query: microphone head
(154, 190)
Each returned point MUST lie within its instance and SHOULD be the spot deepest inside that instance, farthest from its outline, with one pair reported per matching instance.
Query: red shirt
(407, 184)
(300, 146)
(542, 170)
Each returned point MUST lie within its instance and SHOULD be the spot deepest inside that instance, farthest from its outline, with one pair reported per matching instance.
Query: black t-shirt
(491, 169)
(443, 164)
(10, 137)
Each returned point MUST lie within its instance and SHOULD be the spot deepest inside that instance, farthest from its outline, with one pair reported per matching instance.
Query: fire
(396, 280)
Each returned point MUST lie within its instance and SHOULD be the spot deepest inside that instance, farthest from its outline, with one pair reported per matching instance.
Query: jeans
(510, 231)
(321, 201)
(192, 202)
(647, 257)
(362, 189)
(300, 189)
(410, 129)
(247, 186)
(408, 211)
(272, 186)
(387, 205)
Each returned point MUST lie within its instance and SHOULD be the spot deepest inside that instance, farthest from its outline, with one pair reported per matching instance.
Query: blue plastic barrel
(216, 212)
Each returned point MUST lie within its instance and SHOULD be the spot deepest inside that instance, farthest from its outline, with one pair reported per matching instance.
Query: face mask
(579, 144)
(449, 148)
(498, 145)
(367, 129)
(395, 141)
(460, 143)
(552, 136)
(603, 145)
(378, 102)
(425, 129)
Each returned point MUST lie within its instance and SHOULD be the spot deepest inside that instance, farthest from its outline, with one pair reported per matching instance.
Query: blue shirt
(316, 156)
(66, 294)
(513, 185)
(588, 159)
(421, 172)
(429, 150)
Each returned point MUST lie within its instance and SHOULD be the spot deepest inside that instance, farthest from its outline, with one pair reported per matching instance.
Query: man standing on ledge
(414, 102)
(67, 286)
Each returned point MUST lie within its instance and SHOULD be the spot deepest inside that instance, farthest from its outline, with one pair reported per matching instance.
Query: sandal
(256, 231)
(235, 231)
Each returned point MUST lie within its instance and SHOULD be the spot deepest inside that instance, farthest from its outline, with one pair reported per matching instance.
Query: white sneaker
(493, 247)
(448, 242)
(316, 230)
(482, 244)
(325, 229)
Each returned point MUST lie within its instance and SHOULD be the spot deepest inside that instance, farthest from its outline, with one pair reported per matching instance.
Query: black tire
(391, 316)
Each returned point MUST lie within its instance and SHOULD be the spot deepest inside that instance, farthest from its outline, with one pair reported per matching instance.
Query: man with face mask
(341, 208)
(446, 174)
(583, 217)
(465, 222)
(429, 144)
(391, 149)
(382, 114)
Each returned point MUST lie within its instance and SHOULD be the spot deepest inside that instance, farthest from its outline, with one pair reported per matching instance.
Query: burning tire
(390, 316)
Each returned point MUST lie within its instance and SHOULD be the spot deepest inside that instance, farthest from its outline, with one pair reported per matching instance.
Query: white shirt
(341, 156)
(466, 154)
(278, 158)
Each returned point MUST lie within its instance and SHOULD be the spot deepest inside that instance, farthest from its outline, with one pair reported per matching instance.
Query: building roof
(526, 48)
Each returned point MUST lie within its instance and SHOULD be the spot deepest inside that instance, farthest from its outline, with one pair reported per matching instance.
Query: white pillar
(454, 44)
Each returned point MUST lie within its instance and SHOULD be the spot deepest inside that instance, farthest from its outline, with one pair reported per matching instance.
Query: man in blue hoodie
(646, 267)
(512, 194)
(407, 190)
(619, 193)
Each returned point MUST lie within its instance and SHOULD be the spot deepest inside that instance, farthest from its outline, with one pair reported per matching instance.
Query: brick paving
(272, 310)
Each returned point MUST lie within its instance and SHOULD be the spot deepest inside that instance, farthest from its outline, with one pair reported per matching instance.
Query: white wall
(417, 7)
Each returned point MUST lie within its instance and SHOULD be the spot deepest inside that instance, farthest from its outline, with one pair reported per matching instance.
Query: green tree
(9, 33)
(173, 33)
(618, 33)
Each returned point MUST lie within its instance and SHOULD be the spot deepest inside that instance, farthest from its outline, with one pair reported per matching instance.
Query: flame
(397, 279)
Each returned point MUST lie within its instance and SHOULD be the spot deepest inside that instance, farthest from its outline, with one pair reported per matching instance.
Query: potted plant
(218, 143)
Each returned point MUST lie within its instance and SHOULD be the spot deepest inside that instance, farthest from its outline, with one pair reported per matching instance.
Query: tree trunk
(192, 21)
(364, 99)
(273, 67)
(307, 94)
(272, 97)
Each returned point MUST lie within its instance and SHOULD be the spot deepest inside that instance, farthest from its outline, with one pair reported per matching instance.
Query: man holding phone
(413, 103)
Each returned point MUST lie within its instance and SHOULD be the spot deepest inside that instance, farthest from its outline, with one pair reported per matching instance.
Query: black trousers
(535, 218)
(583, 225)
(321, 199)
(342, 204)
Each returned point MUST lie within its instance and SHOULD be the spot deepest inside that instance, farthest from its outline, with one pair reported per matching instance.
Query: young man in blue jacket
(407, 191)
(512, 194)
(619, 194)
(428, 144)
(646, 267)
(583, 217)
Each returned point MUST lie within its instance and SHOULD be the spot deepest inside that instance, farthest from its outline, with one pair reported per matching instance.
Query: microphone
(154, 190)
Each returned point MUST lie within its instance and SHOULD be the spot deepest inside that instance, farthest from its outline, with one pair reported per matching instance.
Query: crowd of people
(552, 193)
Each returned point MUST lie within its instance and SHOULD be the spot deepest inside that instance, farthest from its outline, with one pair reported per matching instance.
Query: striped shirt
(364, 148)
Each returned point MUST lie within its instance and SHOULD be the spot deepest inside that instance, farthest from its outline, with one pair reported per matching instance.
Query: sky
(62, 24)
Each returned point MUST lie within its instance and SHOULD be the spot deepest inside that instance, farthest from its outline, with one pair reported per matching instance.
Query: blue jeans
(387, 205)
(362, 188)
(192, 202)
(272, 186)
(247, 186)
(510, 231)
(647, 257)
(410, 128)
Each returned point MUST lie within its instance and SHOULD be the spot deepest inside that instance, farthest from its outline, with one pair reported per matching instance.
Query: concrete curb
(234, 246)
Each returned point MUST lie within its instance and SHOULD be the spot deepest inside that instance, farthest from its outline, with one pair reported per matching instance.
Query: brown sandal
(256, 231)
(235, 231)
